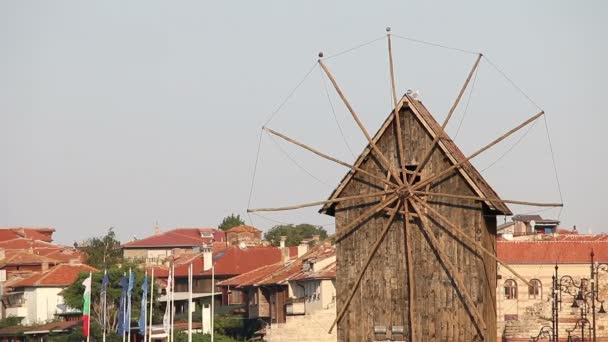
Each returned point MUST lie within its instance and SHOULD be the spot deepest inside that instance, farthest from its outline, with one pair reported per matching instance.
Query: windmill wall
(382, 299)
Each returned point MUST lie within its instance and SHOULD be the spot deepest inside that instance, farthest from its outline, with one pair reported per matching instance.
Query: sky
(142, 113)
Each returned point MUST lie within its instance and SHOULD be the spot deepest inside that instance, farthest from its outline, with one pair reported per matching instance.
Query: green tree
(294, 233)
(103, 251)
(230, 222)
(73, 296)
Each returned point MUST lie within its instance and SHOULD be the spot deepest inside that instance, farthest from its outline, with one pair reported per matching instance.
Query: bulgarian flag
(86, 309)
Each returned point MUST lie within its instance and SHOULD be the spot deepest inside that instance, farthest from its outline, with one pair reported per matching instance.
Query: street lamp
(545, 331)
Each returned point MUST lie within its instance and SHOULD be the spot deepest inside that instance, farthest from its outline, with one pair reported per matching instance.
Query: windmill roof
(470, 173)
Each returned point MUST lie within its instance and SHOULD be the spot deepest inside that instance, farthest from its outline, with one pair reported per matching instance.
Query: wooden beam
(383, 160)
(369, 213)
(485, 199)
(453, 274)
(470, 242)
(312, 204)
(323, 155)
(429, 152)
(368, 261)
(447, 171)
(407, 236)
(397, 108)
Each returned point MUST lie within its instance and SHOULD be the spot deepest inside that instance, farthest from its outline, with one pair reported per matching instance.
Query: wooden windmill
(415, 229)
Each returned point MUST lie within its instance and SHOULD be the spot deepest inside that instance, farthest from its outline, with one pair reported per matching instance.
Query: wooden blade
(369, 213)
(368, 261)
(383, 160)
(470, 242)
(449, 170)
(453, 274)
(323, 155)
(410, 273)
(397, 108)
(312, 204)
(428, 153)
(485, 199)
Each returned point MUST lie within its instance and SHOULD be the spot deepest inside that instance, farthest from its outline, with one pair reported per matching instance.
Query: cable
(464, 115)
(512, 147)
(255, 169)
(435, 44)
(295, 162)
(511, 81)
(290, 94)
(335, 116)
(559, 188)
(354, 48)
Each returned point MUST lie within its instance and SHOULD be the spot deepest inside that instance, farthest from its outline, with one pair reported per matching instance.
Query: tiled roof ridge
(16, 254)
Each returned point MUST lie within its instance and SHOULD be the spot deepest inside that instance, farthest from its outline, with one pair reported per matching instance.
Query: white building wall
(42, 303)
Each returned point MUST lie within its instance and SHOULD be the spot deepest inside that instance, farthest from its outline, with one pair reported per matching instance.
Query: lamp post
(545, 331)
(596, 267)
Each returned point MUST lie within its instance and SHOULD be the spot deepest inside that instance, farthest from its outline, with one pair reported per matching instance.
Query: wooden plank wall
(383, 295)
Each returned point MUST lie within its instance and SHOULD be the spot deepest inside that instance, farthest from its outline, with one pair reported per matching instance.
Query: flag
(168, 290)
(121, 310)
(86, 307)
(103, 295)
(142, 311)
(129, 291)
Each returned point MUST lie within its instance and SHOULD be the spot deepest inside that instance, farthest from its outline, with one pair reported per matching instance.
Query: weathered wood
(485, 199)
(409, 260)
(383, 160)
(397, 109)
(478, 152)
(374, 210)
(368, 260)
(312, 204)
(427, 155)
(471, 243)
(453, 274)
(323, 155)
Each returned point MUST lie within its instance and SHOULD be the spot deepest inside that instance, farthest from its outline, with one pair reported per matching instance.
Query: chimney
(207, 258)
(282, 243)
(302, 248)
(45, 266)
(156, 230)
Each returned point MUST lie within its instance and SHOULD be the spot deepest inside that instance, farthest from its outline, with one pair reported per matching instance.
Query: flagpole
(89, 323)
(129, 305)
(173, 303)
(124, 312)
(104, 306)
(151, 307)
(190, 303)
(212, 297)
(143, 304)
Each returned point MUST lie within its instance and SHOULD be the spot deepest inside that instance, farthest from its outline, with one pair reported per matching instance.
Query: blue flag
(142, 314)
(103, 295)
(121, 310)
(104, 282)
(129, 291)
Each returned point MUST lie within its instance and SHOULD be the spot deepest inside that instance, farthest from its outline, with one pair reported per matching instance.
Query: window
(535, 289)
(510, 289)
(511, 318)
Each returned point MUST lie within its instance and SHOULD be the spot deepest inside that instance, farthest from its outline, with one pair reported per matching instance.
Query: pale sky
(128, 113)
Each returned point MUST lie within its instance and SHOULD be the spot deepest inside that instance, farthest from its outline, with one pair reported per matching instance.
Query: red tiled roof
(60, 275)
(54, 326)
(561, 249)
(243, 229)
(43, 234)
(253, 276)
(179, 237)
(25, 257)
(42, 248)
(23, 243)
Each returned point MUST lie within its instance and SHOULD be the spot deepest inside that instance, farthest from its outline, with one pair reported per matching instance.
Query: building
(277, 293)
(522, 225)
(157, 248)
(37, 298)
(41, 234)
(425, 280)
(522, 310)
(247, 235)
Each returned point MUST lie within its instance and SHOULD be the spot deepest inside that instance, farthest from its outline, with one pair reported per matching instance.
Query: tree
(72, 295)
(295, 233)
(230, 222)
(103, 251)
